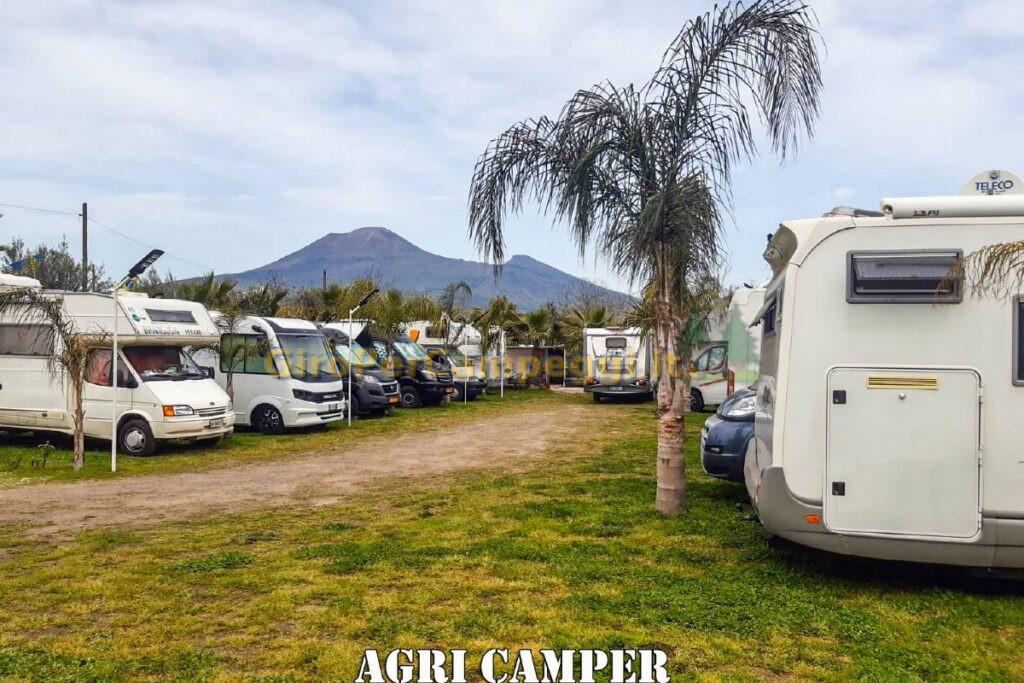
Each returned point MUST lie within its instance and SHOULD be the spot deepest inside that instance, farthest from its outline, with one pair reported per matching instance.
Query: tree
(450, 317)
(263, 299)
(392, 309)
(326, 304)
(499, 315)
(642, 174)
(537, 329)
(209, 291)
(70, 347)
(54, 267)
(577, 319)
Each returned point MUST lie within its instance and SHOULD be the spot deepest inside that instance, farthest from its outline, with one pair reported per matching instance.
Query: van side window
(769, 320)
(244, 353)
(26, 340)
(1018, 341)
(97, 368)
(918, 277)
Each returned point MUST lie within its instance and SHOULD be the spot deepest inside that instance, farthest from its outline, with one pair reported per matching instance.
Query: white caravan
(887, 408)
(729, 362)
(283, 373)
(617, 363)
(161, 394)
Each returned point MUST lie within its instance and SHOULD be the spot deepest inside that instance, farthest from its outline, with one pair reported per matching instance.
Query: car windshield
(155, 363)
(308, 358)
(410, 350)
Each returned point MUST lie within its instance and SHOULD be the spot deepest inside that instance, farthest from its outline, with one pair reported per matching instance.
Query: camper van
(421, 380)
(458, 347)
(282, 372)
(727, 360)
(885, 419)
(162, 393)
(617, 363)
(373, 391)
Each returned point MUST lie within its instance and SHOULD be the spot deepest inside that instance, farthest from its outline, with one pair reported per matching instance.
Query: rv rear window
(159, 316)
(26, 340)
(902, 277)
(615, 343)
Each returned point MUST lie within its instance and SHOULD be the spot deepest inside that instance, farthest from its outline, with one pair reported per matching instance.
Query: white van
(283, 373)
(730, 361)
(886, 415)
(162, 393)
(617, 363)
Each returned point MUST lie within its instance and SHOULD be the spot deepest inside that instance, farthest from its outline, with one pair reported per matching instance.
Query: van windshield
(410, 350)
(356, 354)
(308, 357)
(162, 363)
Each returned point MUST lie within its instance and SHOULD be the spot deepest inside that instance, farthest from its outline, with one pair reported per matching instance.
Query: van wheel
(268, 420)
(411, 398)
(353, 406)
(696, 401)
(457, 394)
(136, 438)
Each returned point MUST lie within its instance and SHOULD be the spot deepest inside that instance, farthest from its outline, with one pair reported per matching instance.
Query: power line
(90, 219)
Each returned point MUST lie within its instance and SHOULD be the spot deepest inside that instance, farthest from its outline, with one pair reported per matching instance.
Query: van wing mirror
(208, 371)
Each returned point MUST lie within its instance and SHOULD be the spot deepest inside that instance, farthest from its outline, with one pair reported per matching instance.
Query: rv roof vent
(14, 281)
(851, 211)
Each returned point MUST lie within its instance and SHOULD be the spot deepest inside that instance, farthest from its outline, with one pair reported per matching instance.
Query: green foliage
(211, 563)
(54, 267)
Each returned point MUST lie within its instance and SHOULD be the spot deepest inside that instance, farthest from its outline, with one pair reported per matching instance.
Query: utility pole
(85, 247)
(324, 280)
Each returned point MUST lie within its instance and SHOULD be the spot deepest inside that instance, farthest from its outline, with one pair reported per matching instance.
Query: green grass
(17, 453)
(569, 554)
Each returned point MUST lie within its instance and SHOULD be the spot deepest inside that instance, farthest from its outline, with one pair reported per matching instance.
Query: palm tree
(209, 291)
(263, 299)
(537, 329)
(450, 316)
(68, 361)
(577, 319)
(498, 316)
(392, 309)
(642, 174)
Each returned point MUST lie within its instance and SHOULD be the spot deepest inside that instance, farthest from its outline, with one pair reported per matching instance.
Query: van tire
(134, 437)
(411, 398)
(266, 419)
(353, 406)
(457, 394)
(696, 401)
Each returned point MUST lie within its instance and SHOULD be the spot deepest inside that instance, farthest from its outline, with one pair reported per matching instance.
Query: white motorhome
(617, 363)
(162, 393)
(283, 373)
(886, 412)
(730, 360)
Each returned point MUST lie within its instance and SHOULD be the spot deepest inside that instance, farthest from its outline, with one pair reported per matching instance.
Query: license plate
(219, 422)
(393, 399)
(616, 388)
(449, 390)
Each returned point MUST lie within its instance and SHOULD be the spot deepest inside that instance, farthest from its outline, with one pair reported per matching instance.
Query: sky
(232, 133)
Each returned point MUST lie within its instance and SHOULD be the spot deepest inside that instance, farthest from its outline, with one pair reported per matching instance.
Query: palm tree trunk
(671, 470)
(78, 418)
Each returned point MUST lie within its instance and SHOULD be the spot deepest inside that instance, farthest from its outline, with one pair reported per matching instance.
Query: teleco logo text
(497, 665)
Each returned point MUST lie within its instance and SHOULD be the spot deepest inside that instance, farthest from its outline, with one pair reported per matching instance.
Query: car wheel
(267, 419)
(457, 394)
(411, 398)
(136, 438)
(696, 401)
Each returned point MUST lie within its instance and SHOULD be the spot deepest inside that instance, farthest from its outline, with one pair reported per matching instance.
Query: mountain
(393, 261)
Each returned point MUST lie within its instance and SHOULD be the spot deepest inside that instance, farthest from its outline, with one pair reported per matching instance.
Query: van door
(710, 374)
(902, 452)
(97, 393)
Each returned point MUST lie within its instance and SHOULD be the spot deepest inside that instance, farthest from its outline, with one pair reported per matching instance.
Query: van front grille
(211, 412)
(903, 382)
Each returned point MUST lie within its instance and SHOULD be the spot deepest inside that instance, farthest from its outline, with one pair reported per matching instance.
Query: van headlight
(429, 375)
(304, 395)
(370, 379)
(178, 411)
(742, 408)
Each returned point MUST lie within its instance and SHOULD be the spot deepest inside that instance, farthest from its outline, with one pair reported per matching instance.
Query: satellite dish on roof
(992, 183)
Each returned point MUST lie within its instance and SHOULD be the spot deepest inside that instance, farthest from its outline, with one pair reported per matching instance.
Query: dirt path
(320, 478)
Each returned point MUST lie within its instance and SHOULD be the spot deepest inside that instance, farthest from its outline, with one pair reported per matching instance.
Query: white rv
(617, 363)
(887, 408)
(162, 393)
(283, 373)
(729, 362)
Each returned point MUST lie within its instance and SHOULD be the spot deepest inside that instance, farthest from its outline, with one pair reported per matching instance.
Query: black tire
(134, 437)
(353, 406)
(410, 397)
(212, 442)
(696, 401)
(457, 394)
(597, 397)
(266, 419)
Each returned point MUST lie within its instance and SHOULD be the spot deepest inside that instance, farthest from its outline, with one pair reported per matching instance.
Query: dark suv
(373, 390)
(421, 380)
